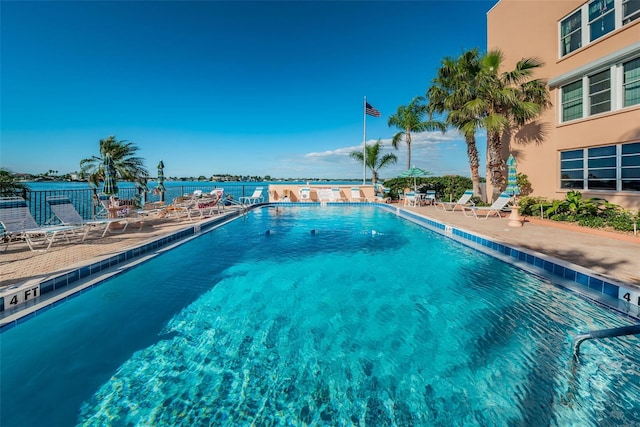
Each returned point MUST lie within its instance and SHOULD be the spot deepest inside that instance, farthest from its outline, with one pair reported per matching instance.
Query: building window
(571, 33)
(630, 10)
(630, 167)
(631, 82)
(600, 92)
(572, 101)
(602, 168)
(601, 18)
(610, 168)
(572, 169)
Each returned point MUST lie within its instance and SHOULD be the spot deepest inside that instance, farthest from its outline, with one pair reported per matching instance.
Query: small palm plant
(373, 160)
(128, 166)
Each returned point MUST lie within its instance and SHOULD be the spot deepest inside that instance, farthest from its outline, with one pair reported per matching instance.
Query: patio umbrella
(414, 173)
(512, 177)
(160, 187)
(110, 186)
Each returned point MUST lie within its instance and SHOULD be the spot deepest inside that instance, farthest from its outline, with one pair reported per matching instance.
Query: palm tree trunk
(474, 163)
(408, 140)
(495, 172)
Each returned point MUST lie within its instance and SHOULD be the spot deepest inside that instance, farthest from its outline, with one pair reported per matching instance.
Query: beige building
(589, 140)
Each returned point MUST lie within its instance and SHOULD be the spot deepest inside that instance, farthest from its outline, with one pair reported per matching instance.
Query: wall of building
(528, 28)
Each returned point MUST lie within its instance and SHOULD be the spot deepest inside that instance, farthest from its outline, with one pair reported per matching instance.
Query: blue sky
(249, 88)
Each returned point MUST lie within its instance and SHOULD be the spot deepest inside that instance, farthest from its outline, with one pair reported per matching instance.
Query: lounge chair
(356, 195)
(256, 197)
(18, 225)
(382, 193)
(429, 197)
(336, 195)
(464, 200)
(324, 195)
(199, 206)
(305, 194)
(66, 214)
(411, 199)
(501, 202)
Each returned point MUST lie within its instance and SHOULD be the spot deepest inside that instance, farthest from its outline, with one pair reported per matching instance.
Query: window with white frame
(611, 89)
(572, 169)
(600, 92)
(609, 168)
(631, 83)
(601, 18)
(571, 33)
(630, 10)
(601, 168)
(630, 167)
(593, 20)
(572, 101)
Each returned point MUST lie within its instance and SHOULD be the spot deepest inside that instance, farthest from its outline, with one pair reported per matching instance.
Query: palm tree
(502, 102)
(128, 166)
(9, 184)
(411, 119)
(454, 86)
(374, 161)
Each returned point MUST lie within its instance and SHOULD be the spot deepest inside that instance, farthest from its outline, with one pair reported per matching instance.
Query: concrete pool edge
(60, 287)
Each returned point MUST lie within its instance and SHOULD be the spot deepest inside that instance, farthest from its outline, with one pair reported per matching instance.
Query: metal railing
(83, 199)
(604, 333)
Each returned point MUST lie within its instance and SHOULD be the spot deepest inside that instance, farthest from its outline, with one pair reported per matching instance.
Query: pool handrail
(604, 333)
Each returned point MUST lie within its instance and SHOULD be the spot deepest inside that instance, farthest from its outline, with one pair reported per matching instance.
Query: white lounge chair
(356, 195)
(66, 214)
(256, 197)
(411, 199)
(18, 225)
(501, 202)
(464, 200)
(336, 195)
(305, 194)
(324, 195)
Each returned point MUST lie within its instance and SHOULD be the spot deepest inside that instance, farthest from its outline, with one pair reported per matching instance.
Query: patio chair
(305, 194)
(324, 195)
(66, 214)
(501, 202)
(382, 193)
(429, 197)
(356, 195)
(18, 225)
(411, 199)
(256, 197)
(336, 195)
(205, 206)
(464, 200)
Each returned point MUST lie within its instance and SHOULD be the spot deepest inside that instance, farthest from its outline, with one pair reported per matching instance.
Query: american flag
(371, 111)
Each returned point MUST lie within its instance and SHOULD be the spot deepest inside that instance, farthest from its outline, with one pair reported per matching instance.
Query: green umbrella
(110, 186)
(512, 177)
(414, 173)
(161, 187)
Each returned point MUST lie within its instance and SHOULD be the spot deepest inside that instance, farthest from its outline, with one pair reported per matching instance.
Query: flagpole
(364, 144)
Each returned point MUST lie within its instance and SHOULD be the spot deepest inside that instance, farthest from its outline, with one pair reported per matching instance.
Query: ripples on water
(344, 327)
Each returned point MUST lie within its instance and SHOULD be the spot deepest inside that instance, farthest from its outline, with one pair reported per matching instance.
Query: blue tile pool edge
(56, 289)
(604, 291)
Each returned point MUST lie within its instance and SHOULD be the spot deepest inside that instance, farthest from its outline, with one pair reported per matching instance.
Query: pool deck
(614, 256)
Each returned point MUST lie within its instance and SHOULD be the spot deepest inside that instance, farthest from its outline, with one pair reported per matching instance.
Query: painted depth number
(21, 297)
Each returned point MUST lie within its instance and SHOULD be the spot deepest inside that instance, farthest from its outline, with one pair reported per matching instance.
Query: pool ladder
(604, 333)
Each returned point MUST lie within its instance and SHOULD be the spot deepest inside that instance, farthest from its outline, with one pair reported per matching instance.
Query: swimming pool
(319, 321)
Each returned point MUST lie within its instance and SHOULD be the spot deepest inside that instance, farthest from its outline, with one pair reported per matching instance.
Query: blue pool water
(321, 321)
